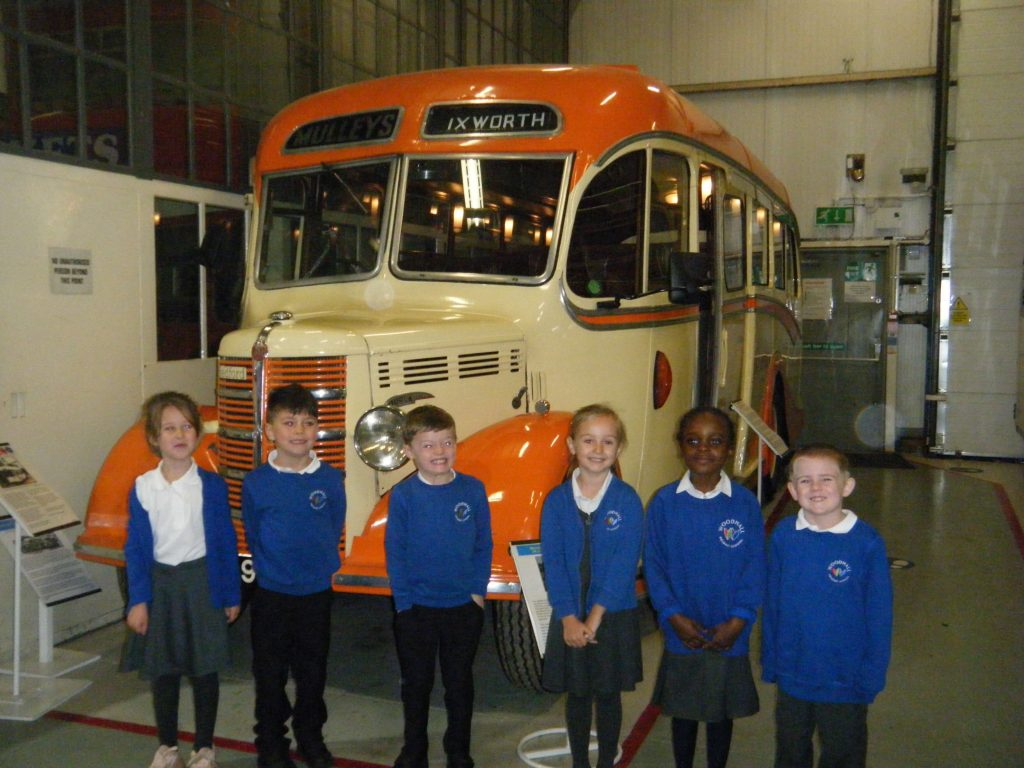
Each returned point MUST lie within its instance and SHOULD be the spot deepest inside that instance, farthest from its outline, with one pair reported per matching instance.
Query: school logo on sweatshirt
(462, 510)
(731, 533)
(839, 571)
(317, 499)
(612, 520)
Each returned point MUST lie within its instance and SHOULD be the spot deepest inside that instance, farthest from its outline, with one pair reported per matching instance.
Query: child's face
(177, 439)
(705, 447)
(294, 434)
(596, 444)
(819, 487)
(433, 453)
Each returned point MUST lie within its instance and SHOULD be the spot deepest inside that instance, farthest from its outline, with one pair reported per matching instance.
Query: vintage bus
(510, 243)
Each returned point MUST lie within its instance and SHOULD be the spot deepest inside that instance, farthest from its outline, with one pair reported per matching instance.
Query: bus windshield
(323, 225)
(482, 218)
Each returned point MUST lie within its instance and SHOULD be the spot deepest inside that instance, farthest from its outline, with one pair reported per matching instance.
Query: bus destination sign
(343, 130)
(491, 119)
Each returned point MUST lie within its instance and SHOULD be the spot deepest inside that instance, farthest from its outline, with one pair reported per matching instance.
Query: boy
(293, 508)
(438, 547)
(827, 629)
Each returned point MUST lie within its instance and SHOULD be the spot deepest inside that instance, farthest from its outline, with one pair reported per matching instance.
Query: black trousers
(422, 636)
(842, 728)
(290, 635)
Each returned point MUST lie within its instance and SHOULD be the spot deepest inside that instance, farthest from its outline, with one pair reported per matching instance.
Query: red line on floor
(1011, 517)
(641, 730)
(148, 730)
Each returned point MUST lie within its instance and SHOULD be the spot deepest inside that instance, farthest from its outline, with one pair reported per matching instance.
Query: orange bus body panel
(106, 518)
(519, 460)
(609, 97)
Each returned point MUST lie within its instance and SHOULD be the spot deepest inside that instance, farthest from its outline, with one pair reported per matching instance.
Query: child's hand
(575, 633)
(232, 613)
(478, 599)
(138, 618)
(593, 621)
(725, 634)
(689, 631)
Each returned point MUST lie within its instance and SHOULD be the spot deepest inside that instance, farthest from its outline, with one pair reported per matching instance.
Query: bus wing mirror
(690, 274)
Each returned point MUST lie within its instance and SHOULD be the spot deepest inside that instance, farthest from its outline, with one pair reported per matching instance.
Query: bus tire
(517, 649)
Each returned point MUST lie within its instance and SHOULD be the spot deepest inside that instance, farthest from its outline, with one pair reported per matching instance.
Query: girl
(591, 535)
(183, 585)
(705, 568)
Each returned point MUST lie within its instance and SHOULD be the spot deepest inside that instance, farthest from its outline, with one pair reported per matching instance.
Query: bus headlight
(378, 438)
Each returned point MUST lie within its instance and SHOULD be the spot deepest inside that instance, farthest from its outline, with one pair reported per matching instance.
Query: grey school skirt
(613, 663)
(705, 686)
(187, 635)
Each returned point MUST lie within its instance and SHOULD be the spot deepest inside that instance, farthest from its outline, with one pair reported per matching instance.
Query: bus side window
(792, 273)
(606, 249)
(778, 256)
(758, 245)
(669, 224)
(706, 214)
(734, 250)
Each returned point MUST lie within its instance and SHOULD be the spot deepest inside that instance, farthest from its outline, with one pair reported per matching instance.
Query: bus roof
(600, 106)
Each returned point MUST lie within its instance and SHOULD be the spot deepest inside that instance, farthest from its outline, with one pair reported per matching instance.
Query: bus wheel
(517, 649)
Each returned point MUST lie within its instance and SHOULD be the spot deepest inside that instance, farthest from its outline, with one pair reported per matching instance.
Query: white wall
(77, 360)
(804, 134)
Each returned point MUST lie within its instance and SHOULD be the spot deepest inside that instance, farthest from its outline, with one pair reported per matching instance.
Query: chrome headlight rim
(378, 438)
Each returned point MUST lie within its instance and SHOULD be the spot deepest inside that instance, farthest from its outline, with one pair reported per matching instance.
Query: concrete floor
(954, 695)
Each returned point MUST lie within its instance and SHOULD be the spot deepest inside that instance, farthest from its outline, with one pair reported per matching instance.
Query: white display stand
(30, 699)
(765, 436)
(51, 661)
(531, 751)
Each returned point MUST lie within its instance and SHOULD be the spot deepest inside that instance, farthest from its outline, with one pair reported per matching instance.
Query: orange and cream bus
(510, 243)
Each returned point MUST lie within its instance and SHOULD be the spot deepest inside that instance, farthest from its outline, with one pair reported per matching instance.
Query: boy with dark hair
(293, 508)
(827, 630)
(438, 547)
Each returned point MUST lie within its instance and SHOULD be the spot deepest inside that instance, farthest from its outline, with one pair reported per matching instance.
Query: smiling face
(294, 435)
(177, 438)
(819, 487)
(596, 444)
(433, 453)
(705, 441)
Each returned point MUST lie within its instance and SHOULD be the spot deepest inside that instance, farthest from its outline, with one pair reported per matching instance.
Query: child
(183, 584)
(705, 572)
(293, 508)
(827, 619)
(591, 535)
(438, 548)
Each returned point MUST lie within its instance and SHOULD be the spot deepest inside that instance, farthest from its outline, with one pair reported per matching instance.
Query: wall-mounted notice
(70, 270)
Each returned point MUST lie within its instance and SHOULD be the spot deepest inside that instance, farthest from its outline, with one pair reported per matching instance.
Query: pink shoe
(167, 757)
(204, 758)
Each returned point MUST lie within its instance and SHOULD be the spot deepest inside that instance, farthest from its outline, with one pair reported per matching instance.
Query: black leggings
(205, 697)
(609, 723)
(684, 742)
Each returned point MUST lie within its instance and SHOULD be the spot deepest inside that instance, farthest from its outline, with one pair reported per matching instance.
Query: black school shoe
(317, 756)
(275, 761)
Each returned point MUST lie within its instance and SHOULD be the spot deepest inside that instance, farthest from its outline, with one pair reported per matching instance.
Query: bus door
(709, 235)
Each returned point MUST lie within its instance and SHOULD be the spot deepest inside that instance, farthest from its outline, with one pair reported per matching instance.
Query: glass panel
(304, 68)
(733, 247)
(53, 18)
(304, 21)
(275, 88)
(387, 44)
(342, 43)
(480, 216)
(792, 272)
(759, 246)
(706, 212)
(103, 23)
(106, 114)
(244, 81)
(245, 136)
(169, 38)
(177, 279)
(10, 93)
(54, 100)
(669, 227)
(324, 225)
(170, 130)
(451, 30)
(366, 24)
(407, 48)
(606, 251)
(223, 257)
(208, 140)
(208, 28)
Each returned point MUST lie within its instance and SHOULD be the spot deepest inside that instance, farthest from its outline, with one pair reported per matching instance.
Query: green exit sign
(831, 217)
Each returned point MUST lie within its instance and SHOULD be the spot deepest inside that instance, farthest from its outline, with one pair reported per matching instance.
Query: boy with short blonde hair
(438, 547)
(827, 629)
